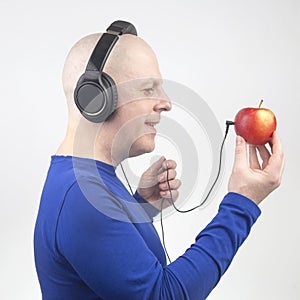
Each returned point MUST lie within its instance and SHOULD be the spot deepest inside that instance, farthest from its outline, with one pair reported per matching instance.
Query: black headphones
(96, 94)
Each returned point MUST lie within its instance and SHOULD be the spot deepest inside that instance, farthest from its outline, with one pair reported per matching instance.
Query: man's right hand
(252, 179)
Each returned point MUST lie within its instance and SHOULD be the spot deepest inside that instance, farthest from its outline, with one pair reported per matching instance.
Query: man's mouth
(152, 124)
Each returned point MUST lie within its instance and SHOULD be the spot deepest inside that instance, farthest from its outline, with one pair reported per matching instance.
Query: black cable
(162, 230)
(228, 123)
(126, 179)
(161, 221)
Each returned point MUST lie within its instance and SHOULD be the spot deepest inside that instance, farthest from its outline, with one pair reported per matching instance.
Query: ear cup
(112, 96)
(96, 99)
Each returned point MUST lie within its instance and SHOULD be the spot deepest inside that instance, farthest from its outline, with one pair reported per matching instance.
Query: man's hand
(153, 185)
(252, 179)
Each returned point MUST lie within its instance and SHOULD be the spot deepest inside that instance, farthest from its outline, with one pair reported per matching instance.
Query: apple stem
(261, 102)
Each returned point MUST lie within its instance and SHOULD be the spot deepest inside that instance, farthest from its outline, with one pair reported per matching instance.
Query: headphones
(96, 94)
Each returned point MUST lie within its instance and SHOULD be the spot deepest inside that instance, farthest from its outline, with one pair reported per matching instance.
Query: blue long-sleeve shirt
(93, 240)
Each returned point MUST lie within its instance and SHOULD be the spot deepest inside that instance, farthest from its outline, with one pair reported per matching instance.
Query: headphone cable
(228, 123)
(170, 200)
(131, 191)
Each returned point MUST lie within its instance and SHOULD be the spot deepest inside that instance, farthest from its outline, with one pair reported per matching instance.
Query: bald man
(94, 239)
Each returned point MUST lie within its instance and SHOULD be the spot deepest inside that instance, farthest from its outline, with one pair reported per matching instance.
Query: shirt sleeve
(149, 209)
(215, 246)
(110, 255)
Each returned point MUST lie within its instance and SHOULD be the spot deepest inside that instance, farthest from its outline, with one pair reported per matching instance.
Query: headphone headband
(106, 44)
(121, 27)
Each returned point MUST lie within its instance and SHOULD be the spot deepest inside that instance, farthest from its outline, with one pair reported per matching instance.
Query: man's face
(141, 102)
(141, 98)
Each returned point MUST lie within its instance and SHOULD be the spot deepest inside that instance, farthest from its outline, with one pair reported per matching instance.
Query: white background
(233, 53)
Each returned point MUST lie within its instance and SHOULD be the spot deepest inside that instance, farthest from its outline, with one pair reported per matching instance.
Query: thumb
(157, 164)
(240, 158)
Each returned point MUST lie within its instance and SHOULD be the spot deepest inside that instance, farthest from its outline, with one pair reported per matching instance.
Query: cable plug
(228, 123)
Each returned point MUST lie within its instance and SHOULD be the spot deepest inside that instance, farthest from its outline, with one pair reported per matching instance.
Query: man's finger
(156, 166)
(276, 161)
(169, 174)
(167, 165)
(174, 185)
(275, 144)
(253, 159)
(240, 158)
(170, 164)
(166, 194)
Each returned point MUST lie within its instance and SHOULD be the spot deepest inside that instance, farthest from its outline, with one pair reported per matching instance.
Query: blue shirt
(94, 240)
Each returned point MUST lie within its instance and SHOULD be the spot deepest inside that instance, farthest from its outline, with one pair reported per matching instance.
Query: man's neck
(88, 145)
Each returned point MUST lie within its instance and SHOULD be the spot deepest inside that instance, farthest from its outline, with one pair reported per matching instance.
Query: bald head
(76, 62)
(129, 59)
(133, 66)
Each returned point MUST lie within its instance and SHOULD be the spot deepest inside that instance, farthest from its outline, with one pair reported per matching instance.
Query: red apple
(255, 125)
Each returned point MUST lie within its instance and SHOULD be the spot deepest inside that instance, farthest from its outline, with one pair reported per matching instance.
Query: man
(93, 239)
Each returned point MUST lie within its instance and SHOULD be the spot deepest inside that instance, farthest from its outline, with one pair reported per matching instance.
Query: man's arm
(113, 259)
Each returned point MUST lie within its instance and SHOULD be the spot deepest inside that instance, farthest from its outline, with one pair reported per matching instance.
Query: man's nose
(163, 105)
(163, 102)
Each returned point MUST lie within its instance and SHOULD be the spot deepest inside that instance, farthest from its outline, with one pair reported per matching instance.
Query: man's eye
(148, 92)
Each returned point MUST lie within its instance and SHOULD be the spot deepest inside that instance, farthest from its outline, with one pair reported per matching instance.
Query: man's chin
(143, 149)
